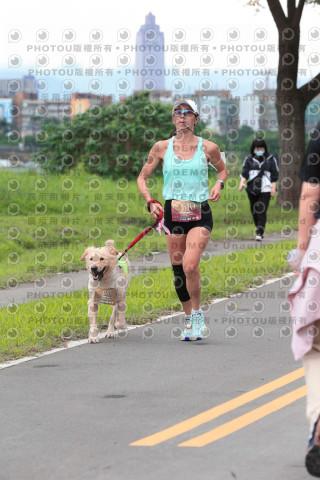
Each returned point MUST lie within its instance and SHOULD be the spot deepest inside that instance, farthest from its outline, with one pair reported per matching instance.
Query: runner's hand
(154, 210)
(215, 193)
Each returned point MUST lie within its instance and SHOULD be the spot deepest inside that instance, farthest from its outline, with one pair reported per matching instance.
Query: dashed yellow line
(246, 419)
(219, 410)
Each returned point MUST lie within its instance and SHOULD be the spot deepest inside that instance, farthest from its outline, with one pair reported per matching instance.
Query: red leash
(147, 230)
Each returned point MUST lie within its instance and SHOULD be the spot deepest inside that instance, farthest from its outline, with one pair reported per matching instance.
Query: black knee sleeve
(180, 283)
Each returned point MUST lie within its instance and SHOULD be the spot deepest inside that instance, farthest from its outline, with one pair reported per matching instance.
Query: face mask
(259, 153)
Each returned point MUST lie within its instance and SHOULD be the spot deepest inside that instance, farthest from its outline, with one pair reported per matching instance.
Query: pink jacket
(304, 297)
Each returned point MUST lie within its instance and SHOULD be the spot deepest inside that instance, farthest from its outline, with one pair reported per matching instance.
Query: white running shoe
(200, 329)
(188, 333)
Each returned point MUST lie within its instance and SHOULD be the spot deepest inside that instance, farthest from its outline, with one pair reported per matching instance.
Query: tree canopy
(112, 140)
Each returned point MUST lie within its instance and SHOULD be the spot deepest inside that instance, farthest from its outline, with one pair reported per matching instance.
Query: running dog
(108, 282)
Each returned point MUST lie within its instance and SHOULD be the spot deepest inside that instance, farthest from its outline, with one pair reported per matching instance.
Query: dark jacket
(310, 168)
(251, 167)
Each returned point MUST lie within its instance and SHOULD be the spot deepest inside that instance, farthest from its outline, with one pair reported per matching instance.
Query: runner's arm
(308, 205)
(155, 156)
(153, 160)
(213, 155)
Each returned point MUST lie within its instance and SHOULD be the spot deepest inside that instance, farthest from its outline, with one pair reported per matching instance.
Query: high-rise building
(149, 66)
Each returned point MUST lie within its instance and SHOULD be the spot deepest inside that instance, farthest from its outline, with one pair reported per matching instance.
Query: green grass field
(48, 221)
(30, 328)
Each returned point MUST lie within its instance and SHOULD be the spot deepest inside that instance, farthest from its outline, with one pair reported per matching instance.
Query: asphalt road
(75, 414)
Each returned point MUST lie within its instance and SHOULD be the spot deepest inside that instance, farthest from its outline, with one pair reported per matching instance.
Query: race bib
(185, 210)
(107, 297)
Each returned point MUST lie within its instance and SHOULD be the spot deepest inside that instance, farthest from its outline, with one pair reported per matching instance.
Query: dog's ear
(109, 245)
(85, 253)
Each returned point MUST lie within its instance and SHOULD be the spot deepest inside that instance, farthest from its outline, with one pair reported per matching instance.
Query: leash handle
(147, 230)
(160, 211)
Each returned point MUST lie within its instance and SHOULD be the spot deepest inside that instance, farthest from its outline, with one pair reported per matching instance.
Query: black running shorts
(184, 227)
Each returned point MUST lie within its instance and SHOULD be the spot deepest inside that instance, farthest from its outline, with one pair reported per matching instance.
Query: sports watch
(222, 183)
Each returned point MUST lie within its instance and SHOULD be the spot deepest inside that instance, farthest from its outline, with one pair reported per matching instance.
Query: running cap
(191, 104)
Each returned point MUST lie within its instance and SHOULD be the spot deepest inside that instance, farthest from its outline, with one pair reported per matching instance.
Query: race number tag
(185, 211)
(107, 297)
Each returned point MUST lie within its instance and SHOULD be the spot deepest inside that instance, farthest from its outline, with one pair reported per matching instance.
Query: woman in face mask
(260, 171)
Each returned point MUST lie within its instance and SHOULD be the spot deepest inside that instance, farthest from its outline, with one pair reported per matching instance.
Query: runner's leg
(176, 246)
(196, 242)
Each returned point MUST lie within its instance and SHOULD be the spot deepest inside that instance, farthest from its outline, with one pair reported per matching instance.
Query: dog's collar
(99, 276)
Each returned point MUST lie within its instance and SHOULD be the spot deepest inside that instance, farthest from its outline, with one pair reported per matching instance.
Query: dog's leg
(93, 313)
(121, 318)
(110, 331)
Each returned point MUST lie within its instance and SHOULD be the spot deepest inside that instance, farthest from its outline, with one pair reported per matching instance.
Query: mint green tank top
(185, 179)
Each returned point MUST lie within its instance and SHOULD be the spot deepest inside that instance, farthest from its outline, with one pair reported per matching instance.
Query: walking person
(185, 158)
(261, 170)
(304, 296)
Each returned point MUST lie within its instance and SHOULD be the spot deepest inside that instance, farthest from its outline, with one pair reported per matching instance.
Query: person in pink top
(304, 296)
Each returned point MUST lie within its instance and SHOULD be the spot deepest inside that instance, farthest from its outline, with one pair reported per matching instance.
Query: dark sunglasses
(185, 112)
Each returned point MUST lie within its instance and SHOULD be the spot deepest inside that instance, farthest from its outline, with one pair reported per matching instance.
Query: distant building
(312, 115)
(266, 110)
(81, 102)
(219, 109)
(164, 96)
(249, 111)
(258, 110)
(12, 86)
(32, 112)
(6, 109)
(149, 65)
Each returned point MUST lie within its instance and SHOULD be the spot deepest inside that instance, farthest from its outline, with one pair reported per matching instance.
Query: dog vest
(123, 264)
(108, 297)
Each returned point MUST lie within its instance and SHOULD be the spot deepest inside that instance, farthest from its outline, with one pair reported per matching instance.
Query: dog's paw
(93, 339)
(120, 326)
(93, 335)
(110, 334)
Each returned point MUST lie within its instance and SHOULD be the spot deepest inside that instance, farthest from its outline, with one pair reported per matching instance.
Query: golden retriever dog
(108, 282)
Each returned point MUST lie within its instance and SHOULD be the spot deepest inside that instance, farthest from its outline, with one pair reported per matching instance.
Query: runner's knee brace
(180, 283)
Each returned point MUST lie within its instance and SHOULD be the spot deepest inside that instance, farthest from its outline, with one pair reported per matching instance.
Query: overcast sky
(232, 26)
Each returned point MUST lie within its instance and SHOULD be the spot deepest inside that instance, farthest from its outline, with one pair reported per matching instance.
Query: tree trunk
(291, 101)
(290, 111)
(291, 146)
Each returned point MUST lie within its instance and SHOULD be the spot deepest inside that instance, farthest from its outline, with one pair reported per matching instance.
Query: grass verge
(28, 329)
(46, 222)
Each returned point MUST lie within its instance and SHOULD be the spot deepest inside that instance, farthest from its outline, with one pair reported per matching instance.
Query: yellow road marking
(246, 419)
(215, 412)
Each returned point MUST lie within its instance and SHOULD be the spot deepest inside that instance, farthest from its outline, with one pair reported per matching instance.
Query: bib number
(185, 211)
(107, 297)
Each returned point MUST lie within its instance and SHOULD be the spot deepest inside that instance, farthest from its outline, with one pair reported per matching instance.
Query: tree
(291, 101)
(113, 140)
